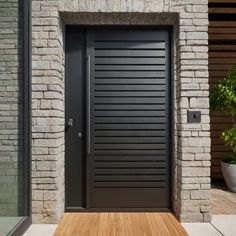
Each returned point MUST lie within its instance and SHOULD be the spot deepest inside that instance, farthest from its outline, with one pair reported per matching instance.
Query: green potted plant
(223, 99)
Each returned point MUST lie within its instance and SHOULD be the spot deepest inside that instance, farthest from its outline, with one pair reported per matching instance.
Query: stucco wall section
(191, 160)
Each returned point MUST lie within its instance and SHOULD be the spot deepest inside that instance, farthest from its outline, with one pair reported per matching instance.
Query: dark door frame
(75, 99)
(171, 116)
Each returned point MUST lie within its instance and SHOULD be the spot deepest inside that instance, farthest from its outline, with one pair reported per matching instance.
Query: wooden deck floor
(223, 201)
(119, 224)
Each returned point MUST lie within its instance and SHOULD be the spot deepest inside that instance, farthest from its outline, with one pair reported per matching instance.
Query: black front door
(118, 119)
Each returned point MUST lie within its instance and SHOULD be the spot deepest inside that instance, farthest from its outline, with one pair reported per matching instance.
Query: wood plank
(213, 81)
(218, 73)
(155, 228)
(103, 224)
(215, 133)
(220, 148)
(169, 224)
(145, 227)
(169, 218)
(159, 221)
(222, 47)
(222, 23)
(219, 155)
(222, 10)
(222, 126)
(229, 61)
(221, 120)
(223, 66)
(64, 229)
(140, 224)
(89, 224)
(218, 30)
(222, 36)
(216, 162)
(128, 224)
(222, 54)
(116, 224)
(219, 114)
(119, 224)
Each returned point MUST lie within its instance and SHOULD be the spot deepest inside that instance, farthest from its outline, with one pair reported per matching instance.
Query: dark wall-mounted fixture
(194, 116)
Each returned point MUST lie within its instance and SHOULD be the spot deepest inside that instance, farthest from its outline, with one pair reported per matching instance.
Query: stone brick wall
(191, 159)
(11, 108)
(48, 113)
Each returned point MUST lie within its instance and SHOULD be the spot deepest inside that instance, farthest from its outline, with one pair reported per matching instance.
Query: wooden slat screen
(222, 57)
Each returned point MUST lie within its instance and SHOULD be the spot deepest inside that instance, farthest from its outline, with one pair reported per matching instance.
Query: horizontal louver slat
(129, 146)
(129, 53)
(102, 178)
(134, 120)
(139, 87)
(129, 74)
(130, 133)
(132, 61)
(130, 158)
(129, 113)
(127, 184)
(152, 164)
(129, 68)
(129, 171)
(136, 107)
(129, 140)
(129, 45)
(129, 94)
(129, 126)
(122, 100)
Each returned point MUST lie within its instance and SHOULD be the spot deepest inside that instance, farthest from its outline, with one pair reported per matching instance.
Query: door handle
(80, 135)
(70, 123)
(88, 106)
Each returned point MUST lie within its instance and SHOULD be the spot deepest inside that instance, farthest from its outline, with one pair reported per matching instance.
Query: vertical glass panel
(11, 114)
